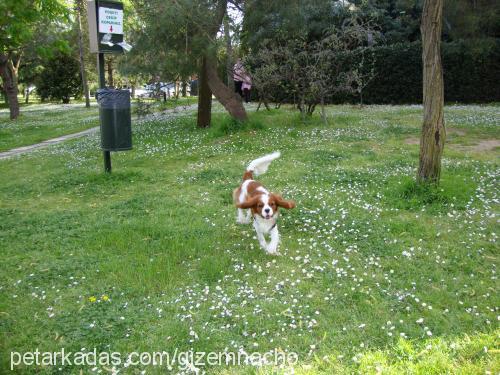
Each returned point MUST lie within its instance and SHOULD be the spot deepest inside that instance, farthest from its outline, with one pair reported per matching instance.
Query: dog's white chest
(264, 226)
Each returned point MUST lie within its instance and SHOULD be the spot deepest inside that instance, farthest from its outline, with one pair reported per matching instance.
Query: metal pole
(102, 85)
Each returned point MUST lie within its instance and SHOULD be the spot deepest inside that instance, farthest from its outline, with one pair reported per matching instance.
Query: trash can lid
(113, 98)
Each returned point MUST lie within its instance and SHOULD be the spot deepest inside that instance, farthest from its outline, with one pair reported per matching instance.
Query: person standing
(246, 87)
(238, 74)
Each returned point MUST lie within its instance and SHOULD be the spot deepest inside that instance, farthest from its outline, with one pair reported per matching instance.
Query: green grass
(179, 102)
(375, 275)
(40, 122)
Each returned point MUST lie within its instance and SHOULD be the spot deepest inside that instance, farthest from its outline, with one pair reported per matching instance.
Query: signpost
(109, 17)
(105, 26)
(105, 19)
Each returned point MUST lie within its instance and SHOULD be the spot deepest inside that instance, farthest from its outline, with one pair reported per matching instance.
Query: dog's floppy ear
(248, 203)
(283, 203)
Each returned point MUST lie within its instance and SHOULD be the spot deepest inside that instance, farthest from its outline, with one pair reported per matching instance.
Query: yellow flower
(105, 297)
(92, 299)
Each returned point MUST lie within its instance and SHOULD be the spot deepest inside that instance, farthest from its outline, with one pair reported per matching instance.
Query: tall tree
(227, 97)
(271, 20)
(9, 68)
(204, 98)
(433, 130)
(229, 54)
(60, 80)
(18, 20)
(80, 11)
(183, 41)
(47, 40)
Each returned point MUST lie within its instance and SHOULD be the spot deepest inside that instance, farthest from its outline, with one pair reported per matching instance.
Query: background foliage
(471, 72)
(60, 79)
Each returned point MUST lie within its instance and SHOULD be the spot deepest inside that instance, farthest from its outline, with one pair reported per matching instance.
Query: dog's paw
(271, 250)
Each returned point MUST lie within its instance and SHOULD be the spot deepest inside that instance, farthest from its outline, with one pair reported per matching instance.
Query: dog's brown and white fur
(253, 199)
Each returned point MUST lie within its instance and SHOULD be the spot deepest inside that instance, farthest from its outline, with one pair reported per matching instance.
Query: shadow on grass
(228, 125)
(454, 192)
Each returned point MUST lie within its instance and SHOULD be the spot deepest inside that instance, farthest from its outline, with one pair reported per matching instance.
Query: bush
(470, 69)
(142, 108)
(60, 80)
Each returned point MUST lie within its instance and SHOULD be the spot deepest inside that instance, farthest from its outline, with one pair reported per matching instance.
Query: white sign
(110, 21)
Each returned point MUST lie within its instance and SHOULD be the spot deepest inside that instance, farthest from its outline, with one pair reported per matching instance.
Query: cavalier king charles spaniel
(254, 200)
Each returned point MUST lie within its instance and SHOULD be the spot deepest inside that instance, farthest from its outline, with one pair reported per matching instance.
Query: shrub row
(471, 70)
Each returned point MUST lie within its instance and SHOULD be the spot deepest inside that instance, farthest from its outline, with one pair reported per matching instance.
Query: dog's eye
(260, 205)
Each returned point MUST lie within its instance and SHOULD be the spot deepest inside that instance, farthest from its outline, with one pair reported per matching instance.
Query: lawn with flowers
(40, 122)
(376, 274)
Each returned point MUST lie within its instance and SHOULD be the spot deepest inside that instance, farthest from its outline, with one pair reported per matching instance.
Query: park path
(47, 143)
(25, 149)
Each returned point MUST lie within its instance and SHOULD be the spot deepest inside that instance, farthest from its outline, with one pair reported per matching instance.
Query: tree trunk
(80, 51)
(184, 89)
(110, 72)
(229, 53)
(27, 97)
(433, 129)
(133, 91)
(204, 98)
(229, 99)
(301, 107)
(323, 111)
(4, 95)
(177, 89)
(8, 72)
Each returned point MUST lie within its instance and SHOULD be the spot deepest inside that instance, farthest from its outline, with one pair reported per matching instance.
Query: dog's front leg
(244, 216)
(272, 248)
(260, 237)
(248, 218)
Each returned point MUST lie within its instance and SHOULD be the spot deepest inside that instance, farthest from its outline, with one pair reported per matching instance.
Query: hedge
(471, 70)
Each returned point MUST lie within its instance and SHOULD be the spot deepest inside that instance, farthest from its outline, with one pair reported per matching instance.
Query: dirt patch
(412, 141)
(455, 131)
(484, 145)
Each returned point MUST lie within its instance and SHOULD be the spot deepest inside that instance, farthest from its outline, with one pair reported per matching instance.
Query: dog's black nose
(267, 210)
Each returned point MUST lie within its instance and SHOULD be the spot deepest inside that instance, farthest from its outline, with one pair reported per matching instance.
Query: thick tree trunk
(229, 99)
(8, 72)
(204, 98)
(80, 51)
(433, 129)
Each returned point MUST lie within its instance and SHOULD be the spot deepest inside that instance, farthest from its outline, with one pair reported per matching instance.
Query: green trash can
(116, 126)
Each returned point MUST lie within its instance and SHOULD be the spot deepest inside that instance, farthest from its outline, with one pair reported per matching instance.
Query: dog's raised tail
(259, 166)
